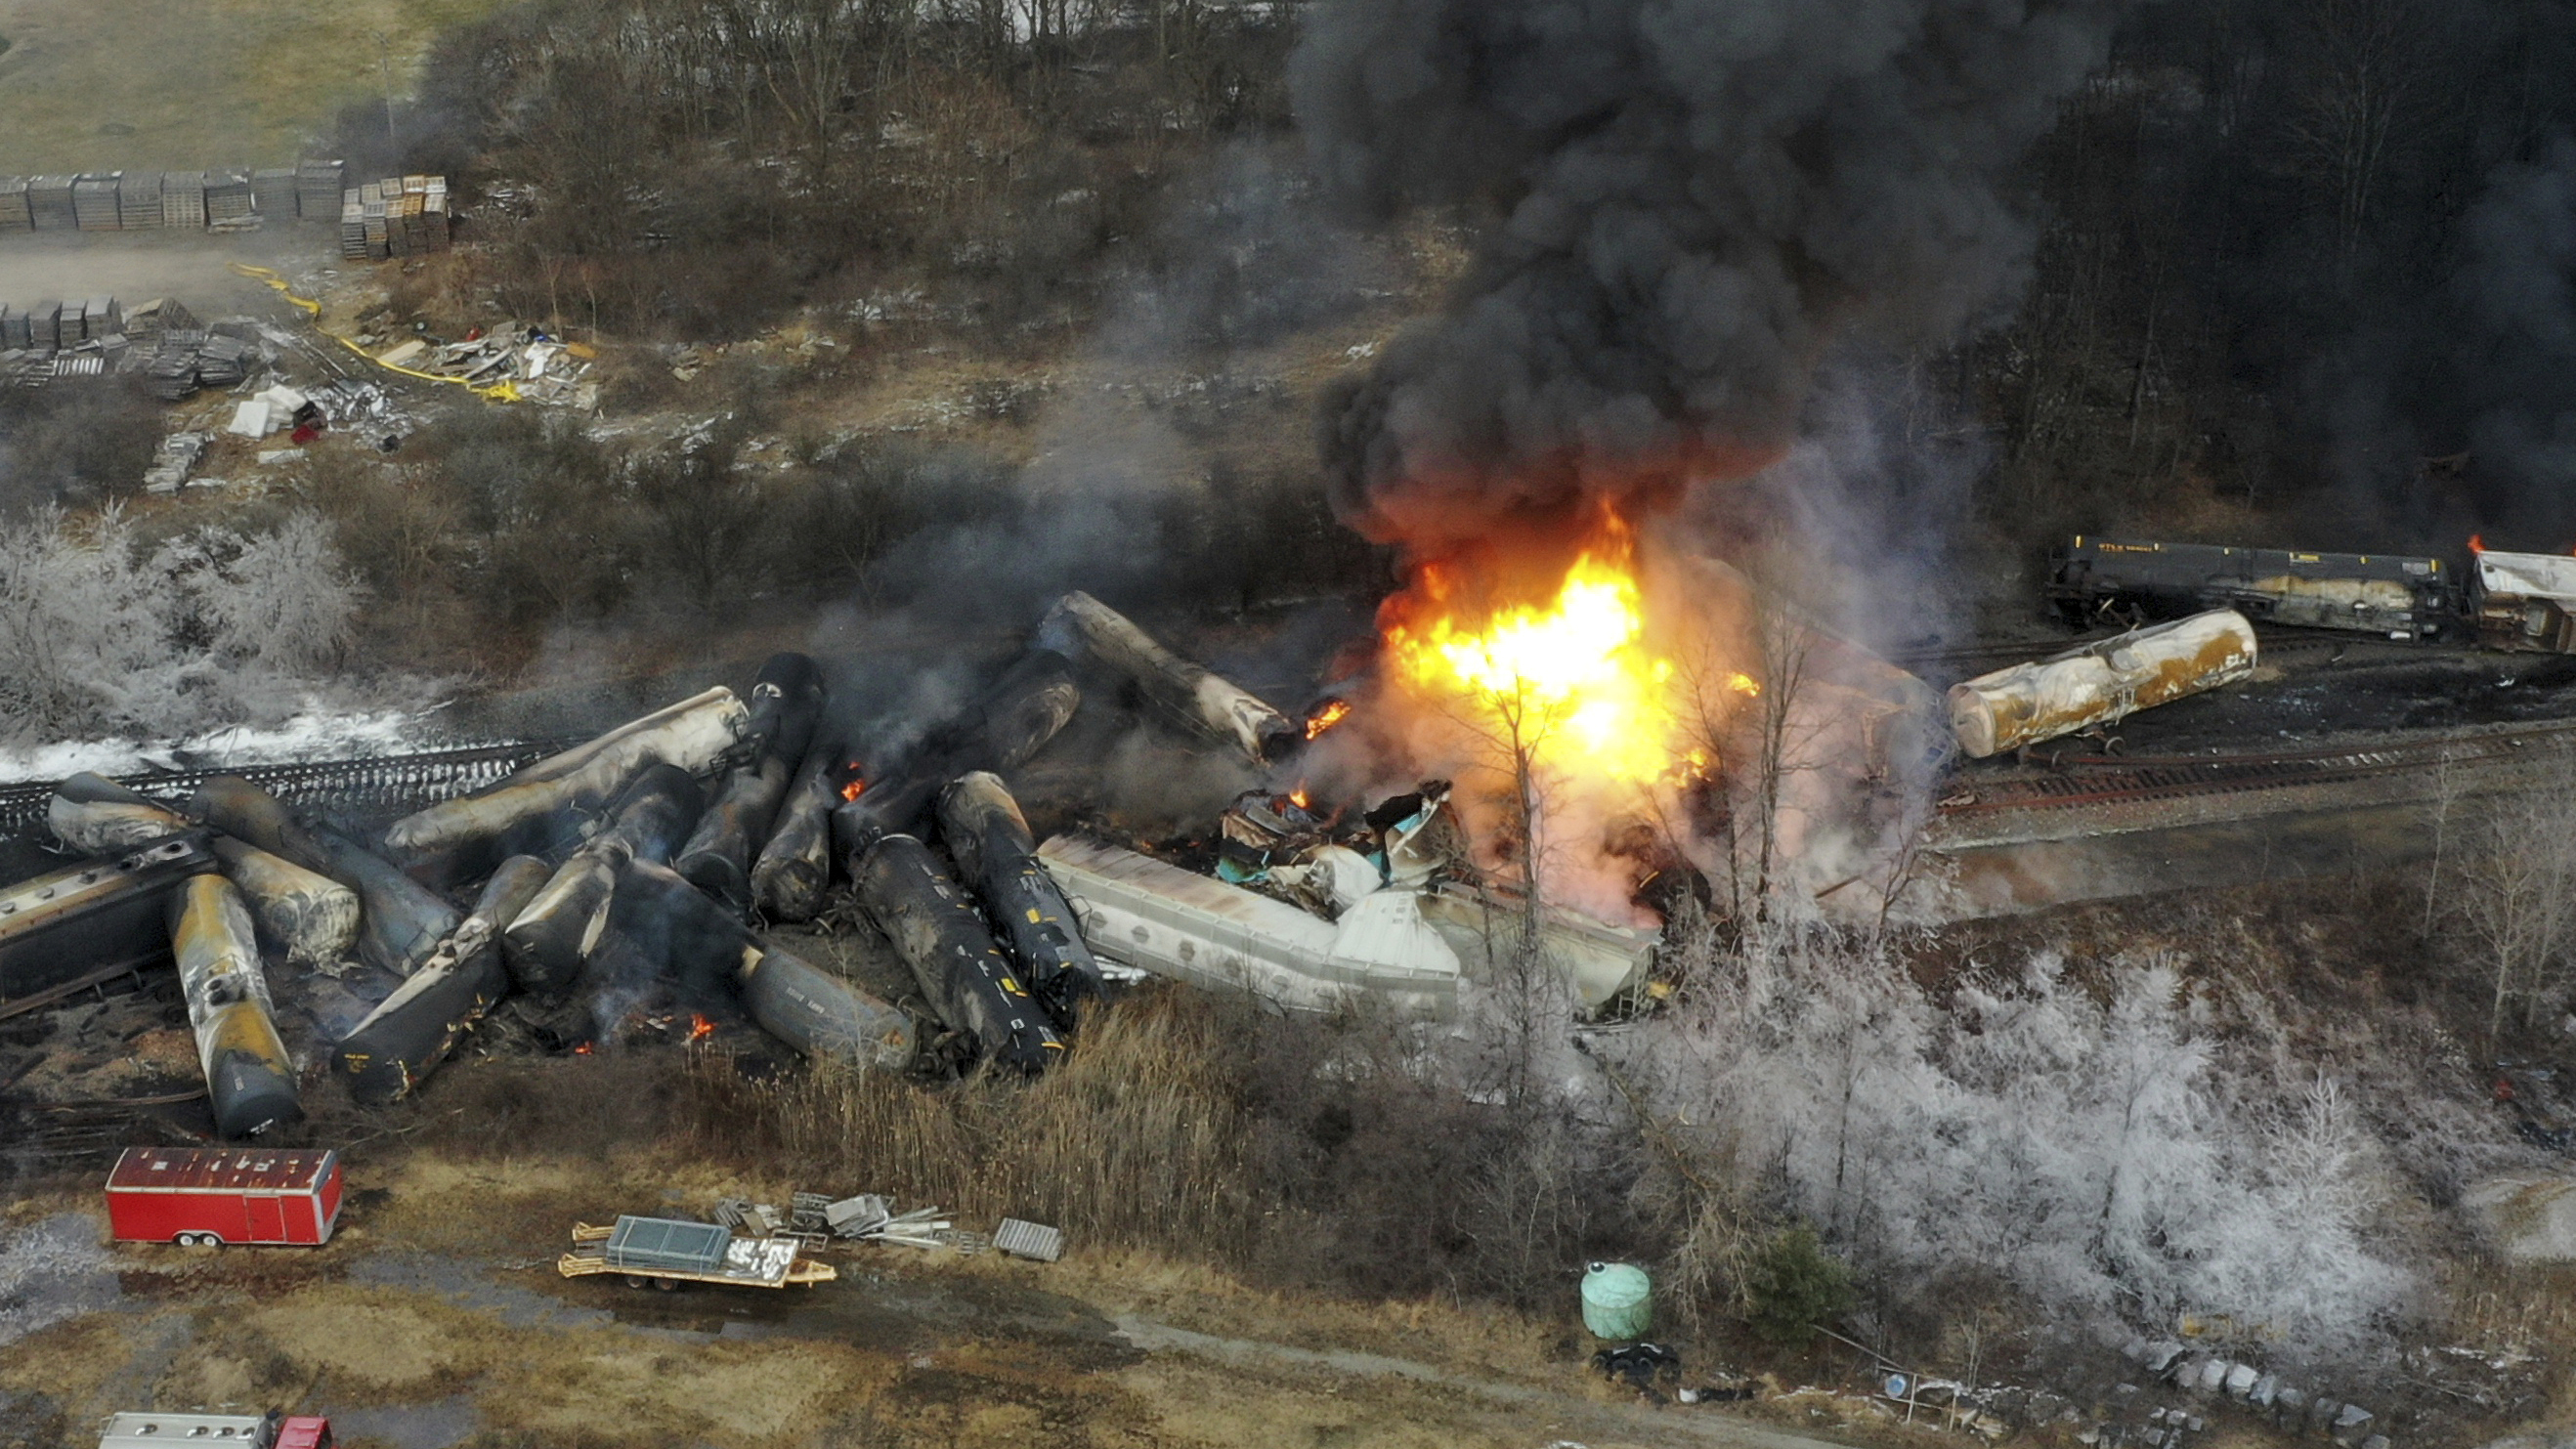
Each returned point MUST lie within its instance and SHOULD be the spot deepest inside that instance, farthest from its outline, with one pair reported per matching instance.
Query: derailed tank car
(2525, 601)
(2393, 595)
(2100, 683)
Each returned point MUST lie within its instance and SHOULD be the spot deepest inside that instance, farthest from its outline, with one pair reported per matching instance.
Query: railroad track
(386, 784)
(2080, 780)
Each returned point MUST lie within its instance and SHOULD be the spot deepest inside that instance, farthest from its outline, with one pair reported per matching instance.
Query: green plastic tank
(1618, 1302)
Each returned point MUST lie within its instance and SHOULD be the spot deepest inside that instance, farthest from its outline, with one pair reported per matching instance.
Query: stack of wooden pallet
(317, 188)
(138, 201)
(272, 191)
(353, 224)
(49, 202)
(183, 198)
(227, 197)
(94, 200)
(13, 204)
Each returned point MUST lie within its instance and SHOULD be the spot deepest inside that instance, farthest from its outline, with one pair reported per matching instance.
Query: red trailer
(224, 1195)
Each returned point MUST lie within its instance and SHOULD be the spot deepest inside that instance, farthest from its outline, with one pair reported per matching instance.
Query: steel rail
(383, 783)
(2109, 779)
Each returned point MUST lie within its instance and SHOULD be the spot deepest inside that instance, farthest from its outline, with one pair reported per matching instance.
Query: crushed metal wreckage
(620, 889)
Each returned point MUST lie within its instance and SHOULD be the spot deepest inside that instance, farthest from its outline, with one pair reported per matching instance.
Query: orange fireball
(1589, 693)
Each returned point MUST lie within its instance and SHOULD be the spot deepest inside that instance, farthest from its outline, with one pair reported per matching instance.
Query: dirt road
(436, 1320)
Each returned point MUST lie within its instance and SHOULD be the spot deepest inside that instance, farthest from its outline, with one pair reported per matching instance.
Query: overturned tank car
(2100, 682)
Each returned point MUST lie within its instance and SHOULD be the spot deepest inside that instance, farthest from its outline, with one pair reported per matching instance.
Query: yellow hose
(494, 392)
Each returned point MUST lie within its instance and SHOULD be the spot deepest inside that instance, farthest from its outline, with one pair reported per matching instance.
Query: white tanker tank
(2101, 682)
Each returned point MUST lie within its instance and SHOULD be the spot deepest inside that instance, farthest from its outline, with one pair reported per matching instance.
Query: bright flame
(1330, 713)
(1297, 797)
(1593, 693)
(1745, 684)
(700, 1028)
(854, 789)
(582, 1050)
(2477, 543)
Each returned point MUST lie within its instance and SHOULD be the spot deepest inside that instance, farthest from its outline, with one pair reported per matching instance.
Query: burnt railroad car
(2525, 601)
(2391, 595)
(199, 1195)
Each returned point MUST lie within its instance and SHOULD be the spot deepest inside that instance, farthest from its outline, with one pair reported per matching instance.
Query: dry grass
(1136, 1140)
(208, 83)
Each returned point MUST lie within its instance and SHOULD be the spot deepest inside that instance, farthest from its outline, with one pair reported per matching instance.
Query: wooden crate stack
(138, 201)
(317, 188)
(13, 204)
(227, 197)
(49, 202)
(94, 200)
(272, 191)
(183, 198)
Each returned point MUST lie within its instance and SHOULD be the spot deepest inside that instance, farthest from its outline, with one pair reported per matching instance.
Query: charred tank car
(2094, 581)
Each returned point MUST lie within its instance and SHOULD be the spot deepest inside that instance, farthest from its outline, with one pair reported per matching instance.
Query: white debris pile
(541, 368)
(177, 454)
(815, 1219)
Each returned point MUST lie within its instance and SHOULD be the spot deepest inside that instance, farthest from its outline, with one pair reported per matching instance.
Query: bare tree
(2360, 59)
(2517, 898)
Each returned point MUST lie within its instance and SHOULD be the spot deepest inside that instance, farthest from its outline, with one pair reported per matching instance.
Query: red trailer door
(267, 1220)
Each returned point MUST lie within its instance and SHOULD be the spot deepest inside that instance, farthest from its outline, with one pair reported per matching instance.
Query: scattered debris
(178, 453)
(528, 363)
(1034, 1241)
(1641, 1364)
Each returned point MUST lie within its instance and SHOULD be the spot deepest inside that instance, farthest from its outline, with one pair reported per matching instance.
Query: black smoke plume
(1694, 199)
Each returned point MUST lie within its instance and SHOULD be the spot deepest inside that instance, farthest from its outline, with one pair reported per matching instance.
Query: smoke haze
(1695, 199)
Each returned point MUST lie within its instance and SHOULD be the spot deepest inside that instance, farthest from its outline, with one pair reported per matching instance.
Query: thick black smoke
(1697, 198)
(2517, 295)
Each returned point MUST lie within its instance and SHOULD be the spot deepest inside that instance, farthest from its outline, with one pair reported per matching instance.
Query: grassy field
(101, 84)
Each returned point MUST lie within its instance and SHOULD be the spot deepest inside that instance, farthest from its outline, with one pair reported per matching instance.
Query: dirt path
(1560, 1412)
(417, 1345)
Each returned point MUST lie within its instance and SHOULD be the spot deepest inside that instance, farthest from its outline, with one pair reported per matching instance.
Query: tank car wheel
(635, 1280)
(185, 1240)
(667, 1285)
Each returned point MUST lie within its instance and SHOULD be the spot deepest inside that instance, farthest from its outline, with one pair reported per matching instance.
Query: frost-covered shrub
(2089, 1151)
(215, 627)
